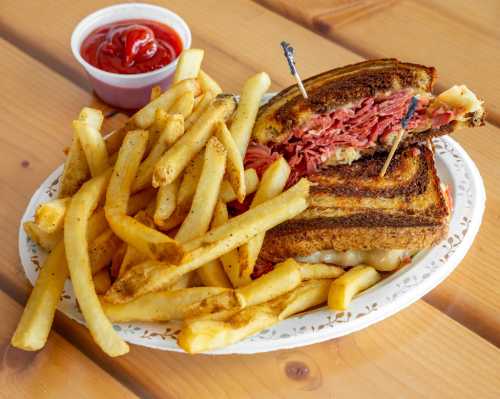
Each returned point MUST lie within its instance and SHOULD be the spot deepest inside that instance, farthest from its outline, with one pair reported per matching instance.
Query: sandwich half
(356, 111)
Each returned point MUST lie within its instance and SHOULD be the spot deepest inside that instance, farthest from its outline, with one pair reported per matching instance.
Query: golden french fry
(207, 192)
(155, 92)
(314, 271)
(199, 109)
(184, 105)
(208, 85)
(230, 261)
(205, 335)
(92, 142)
(235, 168)
(45, 240)
(156, 129)
(102, 249)
(102, 281)
(173, 129)
(76, 169)
(173, 162)
(34, 327)
(308, 294)
(188, 65)
(153, 275)
(283, 278)
(49, 216)
(352, 282)
(166, 201)
(82, 205)
(212, 274)
(190, 181)
(159, 306)
(227, 193)
(143, 118)
(244, 118)
(147, 240)
(272, 183)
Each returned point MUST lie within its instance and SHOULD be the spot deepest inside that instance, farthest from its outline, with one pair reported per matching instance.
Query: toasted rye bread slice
(354, 209)
(343, 86)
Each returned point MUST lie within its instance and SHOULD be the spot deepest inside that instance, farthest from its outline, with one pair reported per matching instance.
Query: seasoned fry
(173, 129)
(308, 294)
(231, 260)
(34, 327)
(159, 306)
(82, 205)
(49, 217)
(184, 105)
(227, 193)
(235, 169)
(102, 281)
(272, 183)
(76, 169)
(166, 201)
(283, 278)
(156, 129)
(155, 92)
(147, 240)
(153, 275)
(173, 162)
(93, 145)
(208, 85)
(212, 274)
(145, 117)
(244, 118)
(188, 65)
(352, 282)
(205, 335)
(102, 249)
(207, 192)
(314, 271)
(189, 182)
(200, 108)
(45, 240)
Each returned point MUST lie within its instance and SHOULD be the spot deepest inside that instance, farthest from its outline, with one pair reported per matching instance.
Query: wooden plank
(418, 353)
(59, 371)
(459, 37)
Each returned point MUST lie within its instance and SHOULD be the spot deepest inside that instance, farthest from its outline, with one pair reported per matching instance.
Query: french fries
(273, 182)
(205, 197)
(184, 105)
(227, 193)
(102, 249)
(170, 166)
(166, 201)
(46, 240)
(143, 118)
(75, 230)
(153, 276)
(102, 281)
(313, 271)
(354, 281)
(235, 169)
(49, 217)
(244, 118)
(159, 306)
(173, 129)
(147, 240)
(199, 109)
(155, 93)
(93, 146)
(208, 84)
(189, 64)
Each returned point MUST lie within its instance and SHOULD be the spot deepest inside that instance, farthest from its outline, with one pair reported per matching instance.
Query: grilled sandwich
(339, 139)
(356, 216)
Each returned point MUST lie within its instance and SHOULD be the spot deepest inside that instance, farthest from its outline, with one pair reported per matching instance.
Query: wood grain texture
(459, 37)
(59, 371)
(418, 353)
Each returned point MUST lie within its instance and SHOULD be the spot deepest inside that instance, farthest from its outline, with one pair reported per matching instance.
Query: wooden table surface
(445, 345)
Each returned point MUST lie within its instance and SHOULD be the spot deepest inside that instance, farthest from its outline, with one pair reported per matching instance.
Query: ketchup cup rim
(76, 35)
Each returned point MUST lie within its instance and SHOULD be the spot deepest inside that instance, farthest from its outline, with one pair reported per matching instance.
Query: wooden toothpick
(404, 124)
(288, 51)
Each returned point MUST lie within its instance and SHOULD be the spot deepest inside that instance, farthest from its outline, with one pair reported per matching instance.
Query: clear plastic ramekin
(121, 90)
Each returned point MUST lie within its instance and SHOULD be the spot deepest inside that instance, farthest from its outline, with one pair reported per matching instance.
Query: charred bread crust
(355, 226)
(335, 88)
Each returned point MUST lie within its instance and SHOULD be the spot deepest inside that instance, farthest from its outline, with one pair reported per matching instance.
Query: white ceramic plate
(394, 293)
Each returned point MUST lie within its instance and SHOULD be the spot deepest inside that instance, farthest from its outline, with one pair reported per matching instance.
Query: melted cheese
(380, 259)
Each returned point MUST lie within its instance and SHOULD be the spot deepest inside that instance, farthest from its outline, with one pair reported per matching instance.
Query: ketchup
(131, 46)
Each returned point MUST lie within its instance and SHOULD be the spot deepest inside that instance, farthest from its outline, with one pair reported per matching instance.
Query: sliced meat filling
(362, 125)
